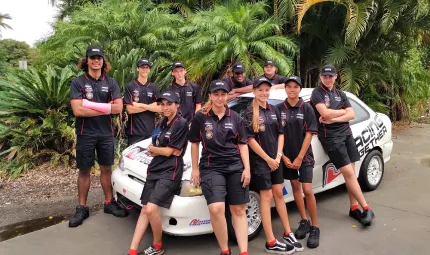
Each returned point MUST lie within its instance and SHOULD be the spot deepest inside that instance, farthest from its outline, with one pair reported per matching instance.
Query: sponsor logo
(327, 101)
(284, 123)
(124, 191)
(105, 89)
(327, 69)
(299, 116)
(370, 136)
(209, 134)
(189, 94)
(89, 95)
(149, 94)
(330, 173)
(219, 84)
(337, 99)
(229, 125)
(199, 222)
(166, 94)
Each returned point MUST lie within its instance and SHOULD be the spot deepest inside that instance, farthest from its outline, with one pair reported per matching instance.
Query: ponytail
(207, 107)
(255, 115)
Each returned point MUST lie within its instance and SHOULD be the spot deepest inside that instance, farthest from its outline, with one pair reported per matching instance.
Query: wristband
(100, 107)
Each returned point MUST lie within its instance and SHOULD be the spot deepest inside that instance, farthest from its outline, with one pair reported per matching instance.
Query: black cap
(94, 51)
(328, 70)
(170, 96)
(177, 64)
(238, 68)
(295, 79)
(269, 62)
(143, 61)
(261, 80)
(219, 85)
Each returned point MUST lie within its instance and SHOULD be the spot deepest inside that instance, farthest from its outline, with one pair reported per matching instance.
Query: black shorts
(217, 186)
(159, 192)
(305, 174)
(344, 152)
(265, 180)
(132, 139)
(86, 147)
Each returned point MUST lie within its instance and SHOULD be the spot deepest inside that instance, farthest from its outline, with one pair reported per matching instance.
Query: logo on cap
(95, 50)
(239, 66)
(327, 69)
(219, 83)
(166, 94)
(177, 63)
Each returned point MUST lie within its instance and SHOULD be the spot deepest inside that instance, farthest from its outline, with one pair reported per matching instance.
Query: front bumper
(187, 216)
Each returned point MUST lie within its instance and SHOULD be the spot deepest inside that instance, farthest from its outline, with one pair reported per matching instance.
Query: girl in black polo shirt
(164, 172)
(224, 165)
(266, 139)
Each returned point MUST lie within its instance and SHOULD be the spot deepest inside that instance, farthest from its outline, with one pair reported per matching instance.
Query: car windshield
(240, 104)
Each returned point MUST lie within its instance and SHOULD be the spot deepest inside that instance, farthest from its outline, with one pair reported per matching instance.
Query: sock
(132, 252)
(226, 252)
(157, 246)
(366, 208)
(354, 207)
(243, 253)
(84, 206)
(271, 243)
(108, 201)
(287, 233)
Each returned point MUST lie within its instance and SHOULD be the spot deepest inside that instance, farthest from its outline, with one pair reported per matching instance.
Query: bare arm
(329, 114)
(244, 90)
(278, 86)
(80, 111)
(117, 106)
(257, 149)
(280, 147)
(350, 115)
(195, 156)
(305, 145)
(244, 154)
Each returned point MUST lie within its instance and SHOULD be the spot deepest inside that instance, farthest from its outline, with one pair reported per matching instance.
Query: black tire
(364, 178)
(253, 196)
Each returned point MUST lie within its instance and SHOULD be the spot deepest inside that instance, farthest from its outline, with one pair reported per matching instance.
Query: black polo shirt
(173, 135)
(142, 123)
(276, 79)
(189, 95)
(296, 121)
(235, 84)
(220, 139)
(334, 99)
(269, 128)
(103, 90)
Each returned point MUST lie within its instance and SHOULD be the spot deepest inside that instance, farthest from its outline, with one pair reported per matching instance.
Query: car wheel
(371, 171)
(252, 214)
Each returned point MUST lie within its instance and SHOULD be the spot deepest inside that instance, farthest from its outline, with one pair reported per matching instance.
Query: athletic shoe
(115, 209)
(314, 237)
(367, 217)
(280, 248)
(291, 240)
(304, 228)
(356, 214)
(82, 212)
(152, 251)
(229, 252)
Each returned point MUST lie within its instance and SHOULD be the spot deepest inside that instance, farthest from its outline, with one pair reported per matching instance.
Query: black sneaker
(356, 214)
(82, 212)
(367, 217)
(115, 209)
(291, 240)
(304, 227)
(280, 248)
(314, 237)
(152, 251)
(229, 252)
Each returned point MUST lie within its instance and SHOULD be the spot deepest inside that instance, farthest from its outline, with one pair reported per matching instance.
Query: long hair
(83, 65)
(207, 107)
(255, 115)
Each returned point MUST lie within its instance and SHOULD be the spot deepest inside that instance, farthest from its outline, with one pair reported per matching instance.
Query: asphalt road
(401, 205)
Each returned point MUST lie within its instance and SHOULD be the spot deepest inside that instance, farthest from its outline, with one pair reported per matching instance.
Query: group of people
(274, 139)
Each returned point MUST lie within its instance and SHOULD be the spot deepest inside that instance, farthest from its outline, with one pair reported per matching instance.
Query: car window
(361, 114)
(240, 104)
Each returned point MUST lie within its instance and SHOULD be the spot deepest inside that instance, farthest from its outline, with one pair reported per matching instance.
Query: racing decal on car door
(330, 172)
(370, 136)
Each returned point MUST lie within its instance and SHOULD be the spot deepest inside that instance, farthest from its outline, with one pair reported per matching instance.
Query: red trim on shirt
(203, 140)
(111, 127)
(303, 102)
(237, 147)
(286, 107)
(210, 154)
(323, 88)
(82, 128)
(131, 124)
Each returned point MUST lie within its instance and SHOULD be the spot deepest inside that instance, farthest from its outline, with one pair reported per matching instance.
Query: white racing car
(189, 214)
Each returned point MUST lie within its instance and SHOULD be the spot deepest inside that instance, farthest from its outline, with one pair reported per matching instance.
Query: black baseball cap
(295, 79)
(261, 80)
(94, 51)
(238, 67)
(143, 61)
(170, 96)
(328, 70)
(177, 64)
(269, 62)
(218, 85)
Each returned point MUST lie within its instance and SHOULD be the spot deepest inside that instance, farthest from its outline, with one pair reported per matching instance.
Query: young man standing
(238, 83)
(270, 70)
(94, 97)
(333, 112)
(140, 103)
(189, 93)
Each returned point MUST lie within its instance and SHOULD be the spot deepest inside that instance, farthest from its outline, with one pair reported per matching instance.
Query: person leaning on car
(333, 110)
(238, 83)
(140, 103)
(94, 97)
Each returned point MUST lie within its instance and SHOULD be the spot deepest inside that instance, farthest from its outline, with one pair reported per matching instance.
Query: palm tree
(232, 32)
(4, 17)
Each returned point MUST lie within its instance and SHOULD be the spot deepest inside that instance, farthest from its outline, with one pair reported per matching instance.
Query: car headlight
(121, 164)
(189, 190)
